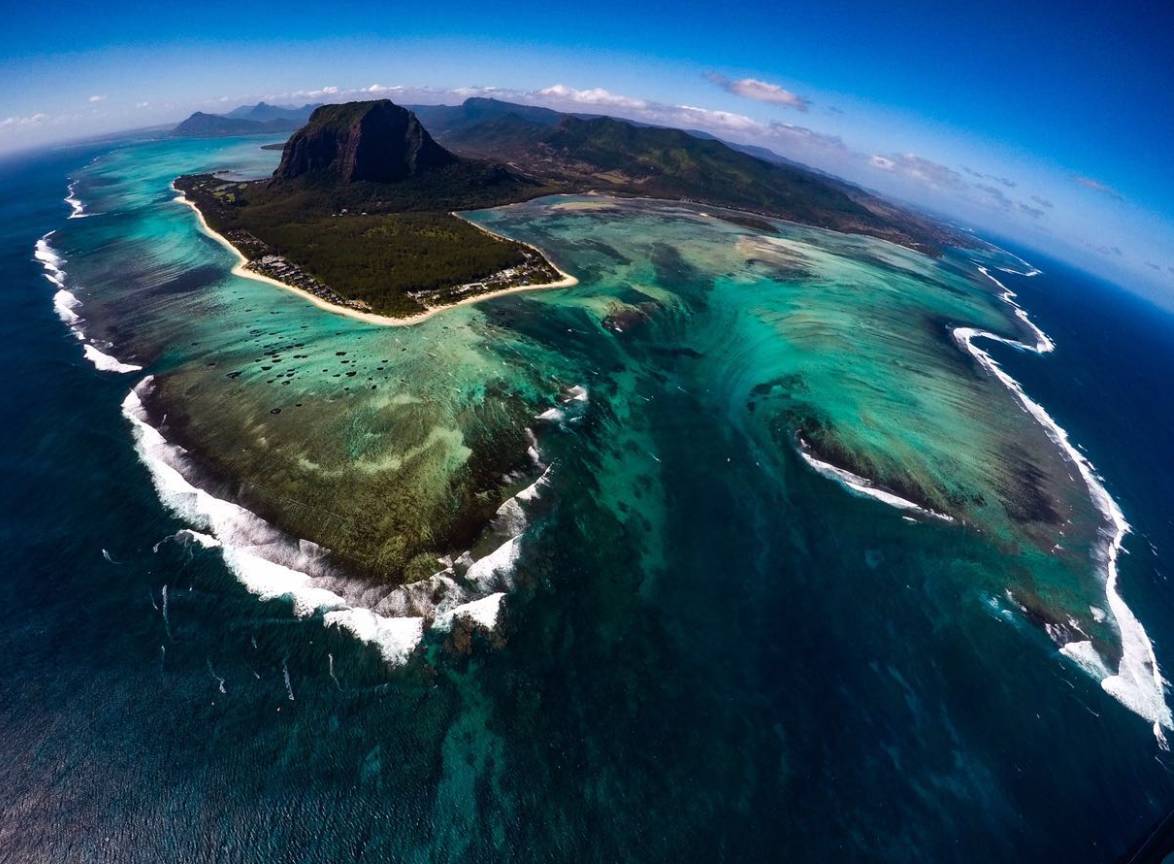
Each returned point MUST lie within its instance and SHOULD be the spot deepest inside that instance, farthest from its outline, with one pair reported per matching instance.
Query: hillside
(201, 125)
(608, 154)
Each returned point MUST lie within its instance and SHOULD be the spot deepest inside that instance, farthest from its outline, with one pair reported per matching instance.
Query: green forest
(379, 259)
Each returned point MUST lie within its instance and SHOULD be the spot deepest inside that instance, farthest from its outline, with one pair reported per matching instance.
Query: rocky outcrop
(361, 141)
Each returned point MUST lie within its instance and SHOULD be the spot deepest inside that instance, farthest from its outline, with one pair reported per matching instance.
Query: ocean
(703, 647)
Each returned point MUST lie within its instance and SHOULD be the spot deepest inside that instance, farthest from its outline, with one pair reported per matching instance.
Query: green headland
(360, 212)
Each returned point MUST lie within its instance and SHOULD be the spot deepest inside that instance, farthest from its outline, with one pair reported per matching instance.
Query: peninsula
(361, 214)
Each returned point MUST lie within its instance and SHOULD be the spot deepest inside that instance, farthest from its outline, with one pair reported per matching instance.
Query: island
(362, 213)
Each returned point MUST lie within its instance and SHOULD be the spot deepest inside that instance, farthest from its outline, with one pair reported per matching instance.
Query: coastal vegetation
(359, 214)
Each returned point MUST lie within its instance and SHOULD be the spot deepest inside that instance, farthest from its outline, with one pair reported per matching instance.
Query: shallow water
(708, 649)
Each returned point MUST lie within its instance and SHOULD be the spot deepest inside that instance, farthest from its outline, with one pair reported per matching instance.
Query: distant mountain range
(607, 154)
(259, 119)
(264, 112)
(544, 148)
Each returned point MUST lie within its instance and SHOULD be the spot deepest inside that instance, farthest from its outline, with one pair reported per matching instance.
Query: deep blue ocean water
(854, 706)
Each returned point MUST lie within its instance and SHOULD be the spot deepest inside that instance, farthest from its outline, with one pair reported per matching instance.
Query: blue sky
(1043, 121)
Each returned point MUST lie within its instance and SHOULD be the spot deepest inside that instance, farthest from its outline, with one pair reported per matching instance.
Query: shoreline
(239, 269)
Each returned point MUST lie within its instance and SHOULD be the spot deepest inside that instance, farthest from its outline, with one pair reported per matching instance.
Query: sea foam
(271, 565)
(50, 260)
(484, 612)
(66, 305)
(864, 486)
(76, 207)
(1138, 683)
(106, 363)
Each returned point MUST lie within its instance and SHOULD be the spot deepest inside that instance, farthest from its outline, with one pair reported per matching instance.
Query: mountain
(360, 209)
(609, 154)
(201, 125)
(263, 112)
(763, 153)
(377, 141)
(359, 214)
(443, 119)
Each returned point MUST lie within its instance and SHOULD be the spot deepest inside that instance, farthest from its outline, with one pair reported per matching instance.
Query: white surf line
(864, 486)
(77, 208)
(1138, 683)
(66, 304)
(271, 565)
(105, 363)
(261, 558)
(1043, 343)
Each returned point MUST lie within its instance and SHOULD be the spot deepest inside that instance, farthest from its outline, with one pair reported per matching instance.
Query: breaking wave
(77, 210)
(1138, 683)
(271, 565)
(66, 305)
(864, 486)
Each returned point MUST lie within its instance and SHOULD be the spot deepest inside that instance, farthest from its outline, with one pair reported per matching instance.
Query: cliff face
(375, 141)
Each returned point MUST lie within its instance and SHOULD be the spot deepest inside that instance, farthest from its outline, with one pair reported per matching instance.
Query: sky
(1047, 122)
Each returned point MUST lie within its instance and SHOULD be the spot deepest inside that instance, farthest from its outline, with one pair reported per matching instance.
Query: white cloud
(97, 99)
(381, 88)
(799, 140)
(330, 90)
(760, 91)
(1097, 186)
(1004, 181)
(691, 115)
(801, 135)
(994, 194)
(142, 104)
(919, 168)
(467, 92)
(594, 96)
(31, 120)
